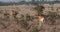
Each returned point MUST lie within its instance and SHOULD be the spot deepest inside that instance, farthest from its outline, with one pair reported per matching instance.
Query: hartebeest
(40, 21)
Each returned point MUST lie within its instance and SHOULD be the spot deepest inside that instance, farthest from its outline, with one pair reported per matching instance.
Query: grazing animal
(11, 13)
(40, 21)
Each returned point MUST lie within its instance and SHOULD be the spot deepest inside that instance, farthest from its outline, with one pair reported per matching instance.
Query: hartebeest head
(41, 18)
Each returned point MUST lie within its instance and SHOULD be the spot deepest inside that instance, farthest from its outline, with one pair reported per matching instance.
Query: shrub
(51, 18)
(28, 17)
(39, 9)
(52, 14)
(35, 30)
(22, 22)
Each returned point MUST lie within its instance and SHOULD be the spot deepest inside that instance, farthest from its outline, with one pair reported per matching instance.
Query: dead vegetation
(23, 19)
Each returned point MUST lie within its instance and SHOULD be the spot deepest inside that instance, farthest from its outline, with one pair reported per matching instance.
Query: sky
(10, 0)
(14, 0)
(17, 0)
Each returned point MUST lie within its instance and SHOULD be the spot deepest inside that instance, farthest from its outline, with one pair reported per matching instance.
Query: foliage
(24, 19)
(6, 3)
(51, 18)
(23, 22)
(39, 9)
(52, 14)
(35, 30)
(28, 17)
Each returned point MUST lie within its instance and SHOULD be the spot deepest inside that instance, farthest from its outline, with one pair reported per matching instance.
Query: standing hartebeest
(40, 21)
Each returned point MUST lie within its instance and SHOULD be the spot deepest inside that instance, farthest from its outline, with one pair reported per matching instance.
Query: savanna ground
(21, 18)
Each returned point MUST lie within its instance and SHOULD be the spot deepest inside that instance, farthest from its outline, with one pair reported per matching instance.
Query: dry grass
(21, 18)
